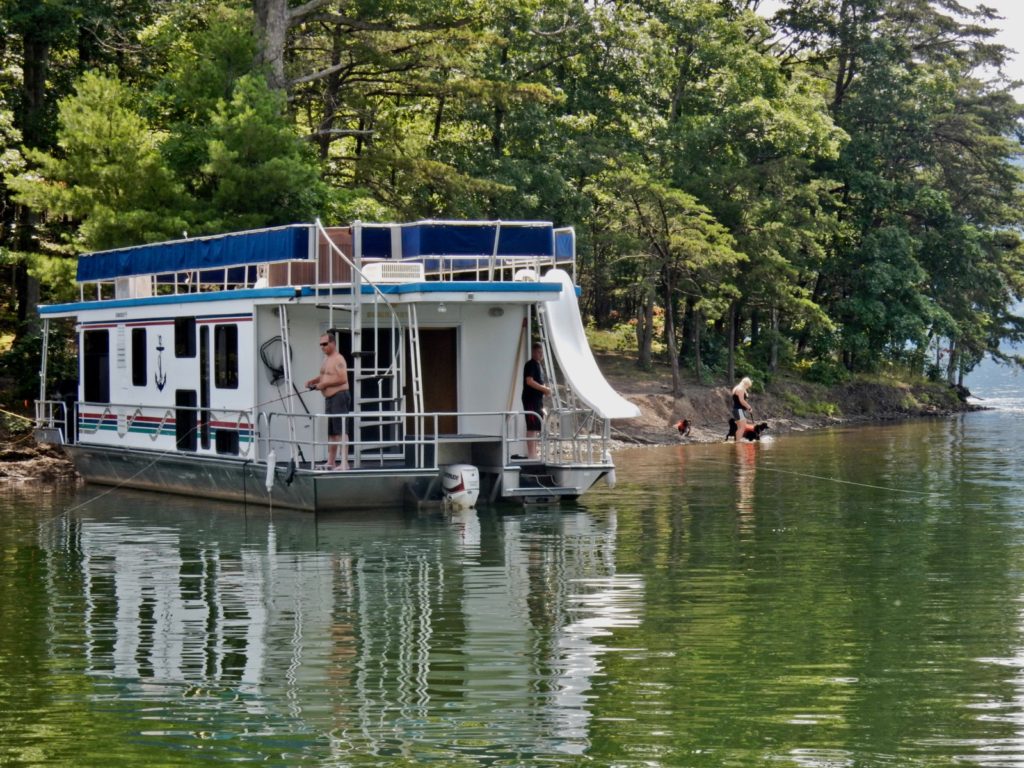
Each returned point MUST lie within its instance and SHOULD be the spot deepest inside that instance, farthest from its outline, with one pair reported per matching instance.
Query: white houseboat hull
(230, 479)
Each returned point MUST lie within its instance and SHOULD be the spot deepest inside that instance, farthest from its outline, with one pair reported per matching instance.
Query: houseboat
(193, 359)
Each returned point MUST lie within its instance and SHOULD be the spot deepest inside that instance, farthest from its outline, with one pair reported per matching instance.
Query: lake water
(853, 597)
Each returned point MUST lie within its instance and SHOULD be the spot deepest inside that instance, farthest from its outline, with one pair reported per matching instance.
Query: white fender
(271, 466)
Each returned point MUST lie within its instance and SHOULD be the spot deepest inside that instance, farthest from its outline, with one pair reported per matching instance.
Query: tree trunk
(332, 86)
(773, 355)
(954, 362)
(438, 120)
(730, 373)
(35, 68)
(645, 329)
(272, 29)
(497, 131)
(698, 363)
(670, 334)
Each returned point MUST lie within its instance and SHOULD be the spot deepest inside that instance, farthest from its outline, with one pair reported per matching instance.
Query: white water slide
(569, 342)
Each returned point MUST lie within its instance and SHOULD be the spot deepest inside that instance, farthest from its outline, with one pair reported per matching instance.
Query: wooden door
(439, 353)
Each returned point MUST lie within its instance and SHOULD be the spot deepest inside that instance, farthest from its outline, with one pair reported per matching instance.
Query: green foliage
(620, 338)
(849, 170)
(57, 276)
(110, 173)
(260, 172)
(20, 365)
(801, 407)
(823, 371)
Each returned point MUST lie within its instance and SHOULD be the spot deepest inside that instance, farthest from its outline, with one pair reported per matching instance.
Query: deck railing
(568, 436)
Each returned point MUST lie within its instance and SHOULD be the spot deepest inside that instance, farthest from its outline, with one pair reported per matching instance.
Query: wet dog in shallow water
(750, 433)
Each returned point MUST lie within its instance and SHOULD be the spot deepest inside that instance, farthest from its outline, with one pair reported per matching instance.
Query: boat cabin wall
(472, 358)
(490, 360)
(168, 377)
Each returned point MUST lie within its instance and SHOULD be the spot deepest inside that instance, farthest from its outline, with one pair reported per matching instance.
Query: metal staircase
(378, 366)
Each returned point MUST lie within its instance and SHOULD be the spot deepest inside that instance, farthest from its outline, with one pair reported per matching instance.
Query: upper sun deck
(311, 256)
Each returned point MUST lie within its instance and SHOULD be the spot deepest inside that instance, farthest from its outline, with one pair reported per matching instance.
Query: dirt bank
(788, 404)
(22, 461)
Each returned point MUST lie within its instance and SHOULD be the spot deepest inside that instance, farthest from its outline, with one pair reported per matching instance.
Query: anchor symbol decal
(160, 376)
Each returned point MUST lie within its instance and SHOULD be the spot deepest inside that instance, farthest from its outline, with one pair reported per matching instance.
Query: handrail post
(45, 358)
(494, 251)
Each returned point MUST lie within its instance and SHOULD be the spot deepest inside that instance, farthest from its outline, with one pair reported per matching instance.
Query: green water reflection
(850, 598)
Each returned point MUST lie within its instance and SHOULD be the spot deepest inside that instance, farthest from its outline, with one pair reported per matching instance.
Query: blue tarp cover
(258, 247)
(564, 246)
(292, 243)
(438, 239)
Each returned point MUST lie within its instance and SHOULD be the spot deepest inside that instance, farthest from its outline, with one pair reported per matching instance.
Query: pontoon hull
(227, 479)
(239, 480)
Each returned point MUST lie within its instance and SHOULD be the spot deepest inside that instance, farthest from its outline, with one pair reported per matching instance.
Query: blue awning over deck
(424, 239)
(256, 247)
(420, 241)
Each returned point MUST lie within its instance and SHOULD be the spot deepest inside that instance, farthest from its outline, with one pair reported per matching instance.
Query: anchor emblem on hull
(160, 376)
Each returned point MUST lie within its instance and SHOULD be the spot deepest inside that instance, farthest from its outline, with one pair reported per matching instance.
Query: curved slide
(569, 342)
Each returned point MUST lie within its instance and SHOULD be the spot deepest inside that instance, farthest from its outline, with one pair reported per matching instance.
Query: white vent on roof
(393, 271)
(134, 287)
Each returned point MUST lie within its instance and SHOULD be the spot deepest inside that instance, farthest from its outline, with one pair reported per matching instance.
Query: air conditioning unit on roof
(393, 272)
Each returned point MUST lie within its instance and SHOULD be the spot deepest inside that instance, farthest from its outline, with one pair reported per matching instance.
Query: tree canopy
(836, 188)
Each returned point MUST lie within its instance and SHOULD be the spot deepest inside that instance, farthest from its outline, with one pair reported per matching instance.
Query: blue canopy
(455, 239)
(256, 247)
(420, 240)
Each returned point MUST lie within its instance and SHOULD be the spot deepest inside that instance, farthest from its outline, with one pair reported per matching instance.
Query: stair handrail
(398, 339)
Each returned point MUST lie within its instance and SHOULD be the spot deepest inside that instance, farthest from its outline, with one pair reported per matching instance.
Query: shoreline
(787, 405)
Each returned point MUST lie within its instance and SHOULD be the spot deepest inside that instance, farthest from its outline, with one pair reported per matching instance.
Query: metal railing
(416, 447)
(54, 416)
(566, 435)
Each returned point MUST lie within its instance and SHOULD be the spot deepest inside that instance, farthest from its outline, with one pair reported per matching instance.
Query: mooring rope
(18, 416)
(840, 481)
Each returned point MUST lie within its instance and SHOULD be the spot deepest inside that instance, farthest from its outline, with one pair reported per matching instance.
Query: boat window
(96, 364)
(225, 356)
(186, 419)
(204, 386)
(184, 337)
(139, 357)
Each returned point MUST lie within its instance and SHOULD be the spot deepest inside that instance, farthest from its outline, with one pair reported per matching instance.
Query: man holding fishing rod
(333, 384)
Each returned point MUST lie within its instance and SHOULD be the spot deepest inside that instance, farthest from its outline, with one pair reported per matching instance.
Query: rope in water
(761, 468)
(119, 486)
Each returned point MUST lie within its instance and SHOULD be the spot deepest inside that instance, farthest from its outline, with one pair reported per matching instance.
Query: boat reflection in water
(374, 631)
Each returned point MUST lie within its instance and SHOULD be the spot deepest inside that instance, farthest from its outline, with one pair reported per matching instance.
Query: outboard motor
(460, 484)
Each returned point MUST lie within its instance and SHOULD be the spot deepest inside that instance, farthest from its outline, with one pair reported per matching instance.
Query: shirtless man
(333, 384)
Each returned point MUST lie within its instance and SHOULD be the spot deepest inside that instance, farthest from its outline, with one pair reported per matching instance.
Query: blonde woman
(740, 405)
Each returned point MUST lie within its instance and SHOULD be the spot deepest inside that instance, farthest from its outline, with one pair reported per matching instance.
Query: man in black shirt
(534, 390)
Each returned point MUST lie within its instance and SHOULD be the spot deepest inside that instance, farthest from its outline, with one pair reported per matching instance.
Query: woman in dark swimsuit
(740, 406)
